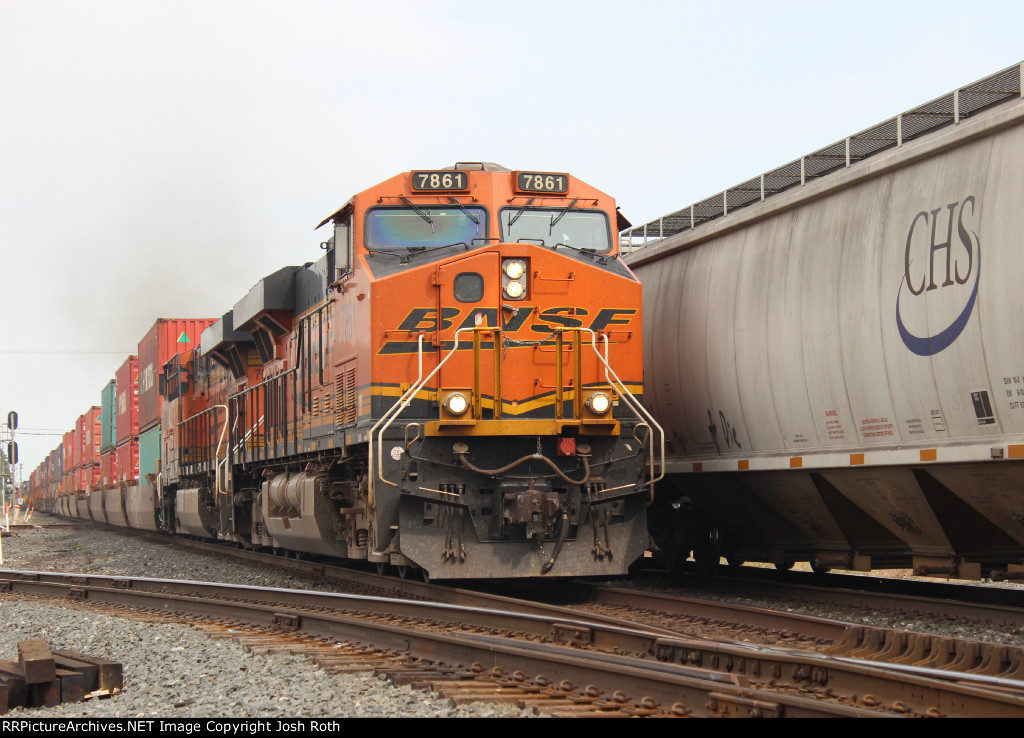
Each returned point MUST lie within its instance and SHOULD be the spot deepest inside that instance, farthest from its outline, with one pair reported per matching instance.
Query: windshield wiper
(371, 252)
(567, 209)
(420, 213)
(521, 211)
(464, 211)
(417, 250)
(592, 253)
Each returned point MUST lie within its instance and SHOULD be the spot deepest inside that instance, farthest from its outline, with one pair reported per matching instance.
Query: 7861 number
(439, 180)
(542, 182)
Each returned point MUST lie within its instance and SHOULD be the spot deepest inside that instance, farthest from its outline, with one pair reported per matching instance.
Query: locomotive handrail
(395, 410)
(636, 406)
(610, 376)
(207, 411)
(240, 446)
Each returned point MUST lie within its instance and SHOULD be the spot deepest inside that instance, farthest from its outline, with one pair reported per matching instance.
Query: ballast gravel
(175, 671)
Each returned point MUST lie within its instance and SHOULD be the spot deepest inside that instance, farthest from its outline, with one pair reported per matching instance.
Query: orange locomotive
(452, 388)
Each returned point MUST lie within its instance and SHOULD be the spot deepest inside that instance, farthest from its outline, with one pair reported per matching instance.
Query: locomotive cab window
(343, 246)
(580, 229)
(425, 227)
(469, 287)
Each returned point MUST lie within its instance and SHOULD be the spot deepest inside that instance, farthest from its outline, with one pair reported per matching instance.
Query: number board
(542, 182)
(444, 180)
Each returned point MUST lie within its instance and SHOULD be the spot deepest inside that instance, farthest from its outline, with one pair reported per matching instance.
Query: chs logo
(923, 272)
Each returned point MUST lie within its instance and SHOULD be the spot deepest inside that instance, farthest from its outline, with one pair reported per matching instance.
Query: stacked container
(89, 434)
(166, 338)
(68, 469)
(126, 425)
(108, 422)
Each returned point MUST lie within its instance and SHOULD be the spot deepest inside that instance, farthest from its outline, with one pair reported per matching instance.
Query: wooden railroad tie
(45, 678)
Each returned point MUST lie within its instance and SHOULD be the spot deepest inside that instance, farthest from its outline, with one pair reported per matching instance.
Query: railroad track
(673, 614)
(552, 662)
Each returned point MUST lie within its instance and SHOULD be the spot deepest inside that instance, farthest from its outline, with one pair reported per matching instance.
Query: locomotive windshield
(581, 229)
(424, 226)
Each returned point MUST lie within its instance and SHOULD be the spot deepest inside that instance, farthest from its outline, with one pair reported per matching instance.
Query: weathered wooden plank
(90, 672)
(72, 685)
(110, 673)
(36, 661)
(10, 674)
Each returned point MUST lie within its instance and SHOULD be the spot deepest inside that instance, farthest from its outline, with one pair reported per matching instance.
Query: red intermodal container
(68, 464)
(126, 462)
(87, 477)
(166, 338)
(89, 431)
(75, 455)
(107, 462)
(126, 400)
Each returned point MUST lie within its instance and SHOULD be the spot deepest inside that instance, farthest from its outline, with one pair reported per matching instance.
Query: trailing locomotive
(452, 388)
(838, 366)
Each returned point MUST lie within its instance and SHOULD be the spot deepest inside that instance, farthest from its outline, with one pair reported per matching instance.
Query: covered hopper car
(836, 357)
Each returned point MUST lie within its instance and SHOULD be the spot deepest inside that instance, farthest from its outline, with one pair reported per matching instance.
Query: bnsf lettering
(545, 322)
(607, 317)
(562, 317)
(425, 319)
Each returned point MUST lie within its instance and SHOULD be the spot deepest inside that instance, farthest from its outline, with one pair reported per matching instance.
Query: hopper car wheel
(820, 569)
(709, 553)
(734, 560)
(784, 565)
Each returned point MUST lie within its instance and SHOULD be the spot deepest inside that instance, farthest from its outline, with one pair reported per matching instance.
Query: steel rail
(867, 642)
(795, 683)
(1000, 606)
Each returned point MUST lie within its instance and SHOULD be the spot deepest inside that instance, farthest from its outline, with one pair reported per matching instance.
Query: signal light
(456, 403)
(599, 403)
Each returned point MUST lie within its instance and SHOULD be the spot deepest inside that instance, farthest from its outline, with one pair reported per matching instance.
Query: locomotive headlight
(513, 278)
(599, 403)
(515, 268)
(456, 403)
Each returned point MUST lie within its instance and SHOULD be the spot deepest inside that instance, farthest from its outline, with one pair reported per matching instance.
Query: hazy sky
(159, 157)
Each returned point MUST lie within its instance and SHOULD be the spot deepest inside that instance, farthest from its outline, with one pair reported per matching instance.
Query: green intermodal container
(149, 452)
(108, 418)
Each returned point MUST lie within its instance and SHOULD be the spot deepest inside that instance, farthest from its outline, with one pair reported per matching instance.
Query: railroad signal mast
(9, 459)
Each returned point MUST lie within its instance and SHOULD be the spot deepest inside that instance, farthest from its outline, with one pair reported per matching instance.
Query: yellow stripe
(523, 406)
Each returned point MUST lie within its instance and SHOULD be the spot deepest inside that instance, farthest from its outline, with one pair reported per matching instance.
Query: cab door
(468, 295)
